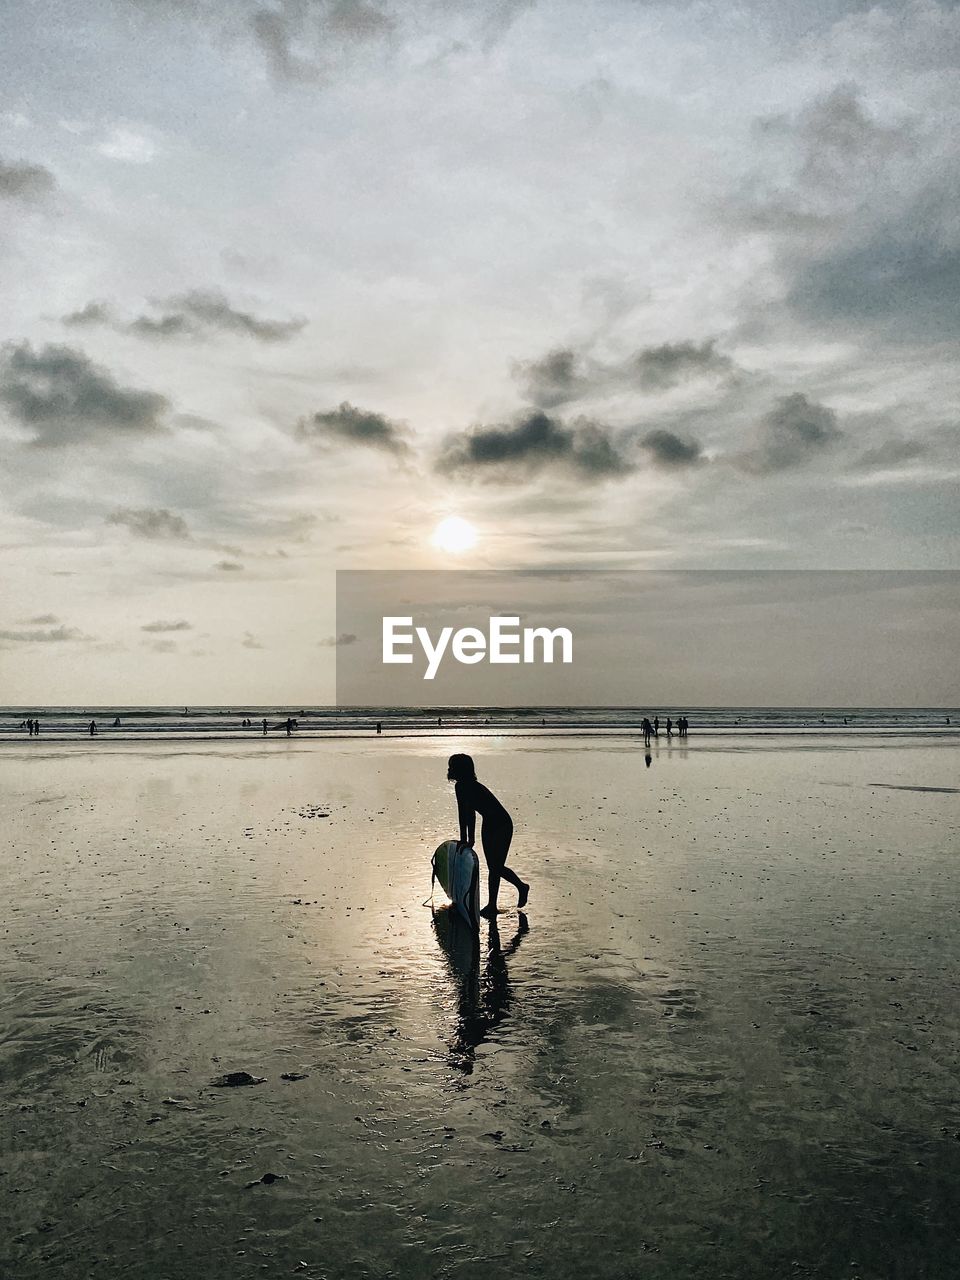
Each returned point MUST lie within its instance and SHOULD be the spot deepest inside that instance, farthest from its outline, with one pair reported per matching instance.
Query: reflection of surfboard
(460, 943)
(458, 871)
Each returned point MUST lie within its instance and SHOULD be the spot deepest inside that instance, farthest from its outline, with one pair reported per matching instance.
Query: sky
(626, 285)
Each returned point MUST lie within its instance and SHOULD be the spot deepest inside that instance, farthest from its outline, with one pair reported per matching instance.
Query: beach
(722, 1040)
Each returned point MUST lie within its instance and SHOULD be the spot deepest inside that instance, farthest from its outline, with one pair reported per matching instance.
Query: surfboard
(458, 871)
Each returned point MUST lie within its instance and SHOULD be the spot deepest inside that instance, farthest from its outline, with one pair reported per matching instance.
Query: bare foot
(489, 911)
(524, 894)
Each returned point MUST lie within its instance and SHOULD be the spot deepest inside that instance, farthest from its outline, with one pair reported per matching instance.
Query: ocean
(213, 722)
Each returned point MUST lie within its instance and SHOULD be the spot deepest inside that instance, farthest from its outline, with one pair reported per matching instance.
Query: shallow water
(721, 1042)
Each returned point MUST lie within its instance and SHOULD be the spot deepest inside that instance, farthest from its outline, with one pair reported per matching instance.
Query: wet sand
(722, 1041)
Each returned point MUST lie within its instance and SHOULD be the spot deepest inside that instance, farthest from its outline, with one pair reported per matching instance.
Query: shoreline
(704, 738)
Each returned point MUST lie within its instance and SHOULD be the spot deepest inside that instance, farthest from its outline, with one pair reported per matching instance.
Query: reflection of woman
(483, 999)
(495, 834)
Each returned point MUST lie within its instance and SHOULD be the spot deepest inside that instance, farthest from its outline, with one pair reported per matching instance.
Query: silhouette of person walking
(495, 833)
(264, 728)
(93, 728)
(647, 728)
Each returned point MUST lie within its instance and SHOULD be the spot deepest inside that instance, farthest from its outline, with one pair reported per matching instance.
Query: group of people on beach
(32, 727)
(651, 728)
(289, 724)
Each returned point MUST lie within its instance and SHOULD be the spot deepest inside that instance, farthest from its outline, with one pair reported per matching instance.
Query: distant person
(116, 722)
(264, 728)
(289, 726)
(93, 728)
(379, 727)
(647, 728)
(439, 722)
(669, 727)
(656, 726)
(495, 833)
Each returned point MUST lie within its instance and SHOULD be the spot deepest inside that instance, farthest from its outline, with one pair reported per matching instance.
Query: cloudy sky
(625, 284)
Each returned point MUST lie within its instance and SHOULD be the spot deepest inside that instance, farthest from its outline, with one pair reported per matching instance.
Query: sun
(454, 535)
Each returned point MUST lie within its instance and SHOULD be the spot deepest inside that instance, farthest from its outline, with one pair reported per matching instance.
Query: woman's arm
(466, 813)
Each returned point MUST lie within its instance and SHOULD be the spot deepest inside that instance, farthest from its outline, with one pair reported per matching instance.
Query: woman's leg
(496, 846)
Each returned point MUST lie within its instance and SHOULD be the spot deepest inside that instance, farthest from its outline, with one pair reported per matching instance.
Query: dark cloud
(20, 180)
(94, 313)
(535, 443)
(864, 211)
(669, 450)
(151, 522)
(356, 19)
(659, 368)
(42, 620)
(902, 276)
(228, 566)
(819, 163)
(349, 425)
(834, 133)
(171, 325)
(338, 642)
(250, 641)
(564, 375)
(167, 626)
(275, 35)
(51, 635)
(296, 38)
(63, 398)
(204, 311)
(794, 432)
(892, 453)
(554, 379)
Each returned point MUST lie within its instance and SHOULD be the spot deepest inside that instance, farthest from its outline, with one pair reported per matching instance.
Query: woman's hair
(460, 768)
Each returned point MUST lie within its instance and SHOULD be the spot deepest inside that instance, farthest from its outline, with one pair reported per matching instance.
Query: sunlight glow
(454, 535)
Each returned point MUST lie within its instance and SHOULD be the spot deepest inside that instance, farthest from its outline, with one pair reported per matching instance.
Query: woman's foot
(489, 911)
(524, 894)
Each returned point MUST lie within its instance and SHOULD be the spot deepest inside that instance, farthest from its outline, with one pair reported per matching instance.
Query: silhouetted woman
(495, 834)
